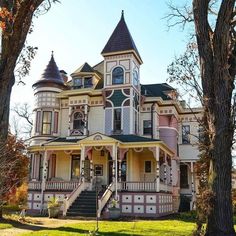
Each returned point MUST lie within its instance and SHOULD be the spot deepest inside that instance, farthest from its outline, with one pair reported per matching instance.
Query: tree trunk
(5, 91)
(217, 83)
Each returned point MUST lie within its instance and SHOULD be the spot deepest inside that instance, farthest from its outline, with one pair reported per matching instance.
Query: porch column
(86, 120)
(70, 120)
(119, 171)
(44, 177)
(192, 185)
(165, 172)
(156, 154)
(114, 168)
(82, 157)
(91, 170)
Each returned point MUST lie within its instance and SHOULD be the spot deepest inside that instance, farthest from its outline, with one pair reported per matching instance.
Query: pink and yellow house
(104, 130)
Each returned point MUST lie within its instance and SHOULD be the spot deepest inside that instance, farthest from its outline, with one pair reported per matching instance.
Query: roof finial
(122, 14)
(52, 53)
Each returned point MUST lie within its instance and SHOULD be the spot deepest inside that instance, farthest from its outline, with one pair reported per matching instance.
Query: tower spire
(122, 14)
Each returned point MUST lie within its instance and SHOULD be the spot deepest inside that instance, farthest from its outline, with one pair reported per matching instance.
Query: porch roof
(130, 138)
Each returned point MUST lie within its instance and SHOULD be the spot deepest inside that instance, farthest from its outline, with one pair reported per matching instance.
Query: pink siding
(168, 120)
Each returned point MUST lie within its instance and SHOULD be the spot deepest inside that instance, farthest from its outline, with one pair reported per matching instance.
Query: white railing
(166, 188)
(67, 202)
(34, 185)
(139, 186)
(105, 198)
(61, 185)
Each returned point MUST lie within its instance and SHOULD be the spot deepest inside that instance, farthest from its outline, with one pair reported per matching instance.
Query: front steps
(84, 205)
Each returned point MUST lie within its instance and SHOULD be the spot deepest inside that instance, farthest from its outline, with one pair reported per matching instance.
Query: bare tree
(215, 36)
(22, 122)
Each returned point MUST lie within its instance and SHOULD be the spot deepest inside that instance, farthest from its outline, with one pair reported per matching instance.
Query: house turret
(47, 105)
(121, 81)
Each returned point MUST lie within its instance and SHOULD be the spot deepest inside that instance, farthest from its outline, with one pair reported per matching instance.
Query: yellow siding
(63, 166)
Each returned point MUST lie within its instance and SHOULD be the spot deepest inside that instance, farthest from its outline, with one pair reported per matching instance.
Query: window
(55, 123)
(38, 116)
(184, 176)
(148, 166)
(78, 122)
(185, 134)
(117, 119)
(135, 78)
(75, 167)
(118, 76)
(98, 170)
(88, 82)
(77, 83)
(200, 134)
(47, 121)
(147, 127)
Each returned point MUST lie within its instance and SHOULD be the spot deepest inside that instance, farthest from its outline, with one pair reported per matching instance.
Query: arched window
(78, 122)
(118, 76)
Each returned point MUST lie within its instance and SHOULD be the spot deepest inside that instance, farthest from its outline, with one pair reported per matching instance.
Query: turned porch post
(192, 185)
(82, 157)
(44, 177)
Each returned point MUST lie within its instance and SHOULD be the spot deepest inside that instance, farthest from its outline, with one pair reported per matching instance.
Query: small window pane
(88, 82)
(185, 134)
(117, 119)
(98, 170)
(184, 176)
(75, 167)
(47, 121)
(147, 127)
(118, 76)
(148, 166)
(78, 82)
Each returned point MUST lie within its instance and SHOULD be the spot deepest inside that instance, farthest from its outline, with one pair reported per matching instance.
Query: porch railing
(105, 198)
(54, 185)
(34, 185)
(166, 187)
(138, 186)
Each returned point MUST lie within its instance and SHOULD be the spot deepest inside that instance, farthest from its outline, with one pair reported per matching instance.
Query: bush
(188, 216)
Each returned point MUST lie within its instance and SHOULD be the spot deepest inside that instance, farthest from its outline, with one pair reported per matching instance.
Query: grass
(111, 228)
(5, 225)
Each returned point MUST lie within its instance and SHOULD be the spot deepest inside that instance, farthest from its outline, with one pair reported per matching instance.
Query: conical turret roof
(121, 40)
(51, 74)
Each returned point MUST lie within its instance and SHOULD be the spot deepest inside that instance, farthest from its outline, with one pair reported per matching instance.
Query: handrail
(105, 198)
(71, 198)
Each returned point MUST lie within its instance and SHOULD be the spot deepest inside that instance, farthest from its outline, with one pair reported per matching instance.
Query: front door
(87, 170)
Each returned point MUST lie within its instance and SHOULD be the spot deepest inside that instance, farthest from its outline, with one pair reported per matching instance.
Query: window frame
(100, 171)
(115, 122)
(38, 121)
(116, 75)
(74, 158)
(147, 168)
(81, 120)
(55, 122)
(185, 134)
(184, 181)
(145, 128)
(47, 123)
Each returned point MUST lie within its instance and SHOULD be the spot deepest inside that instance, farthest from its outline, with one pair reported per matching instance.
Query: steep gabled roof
(121, 40)
(51, 74)
(85, 68)
(156, 90)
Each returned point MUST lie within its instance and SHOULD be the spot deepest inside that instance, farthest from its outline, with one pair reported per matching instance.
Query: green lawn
(111, 228)
(5, 225)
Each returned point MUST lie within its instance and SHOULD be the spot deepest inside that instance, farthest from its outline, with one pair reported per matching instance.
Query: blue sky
(77, 31)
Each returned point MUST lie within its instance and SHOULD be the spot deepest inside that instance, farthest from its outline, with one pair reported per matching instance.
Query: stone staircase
(84, 205)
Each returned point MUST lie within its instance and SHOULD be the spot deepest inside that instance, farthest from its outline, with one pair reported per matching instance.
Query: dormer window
(118, 76)
(85, 82)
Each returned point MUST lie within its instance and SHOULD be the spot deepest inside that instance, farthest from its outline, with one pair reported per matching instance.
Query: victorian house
(103, 130)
